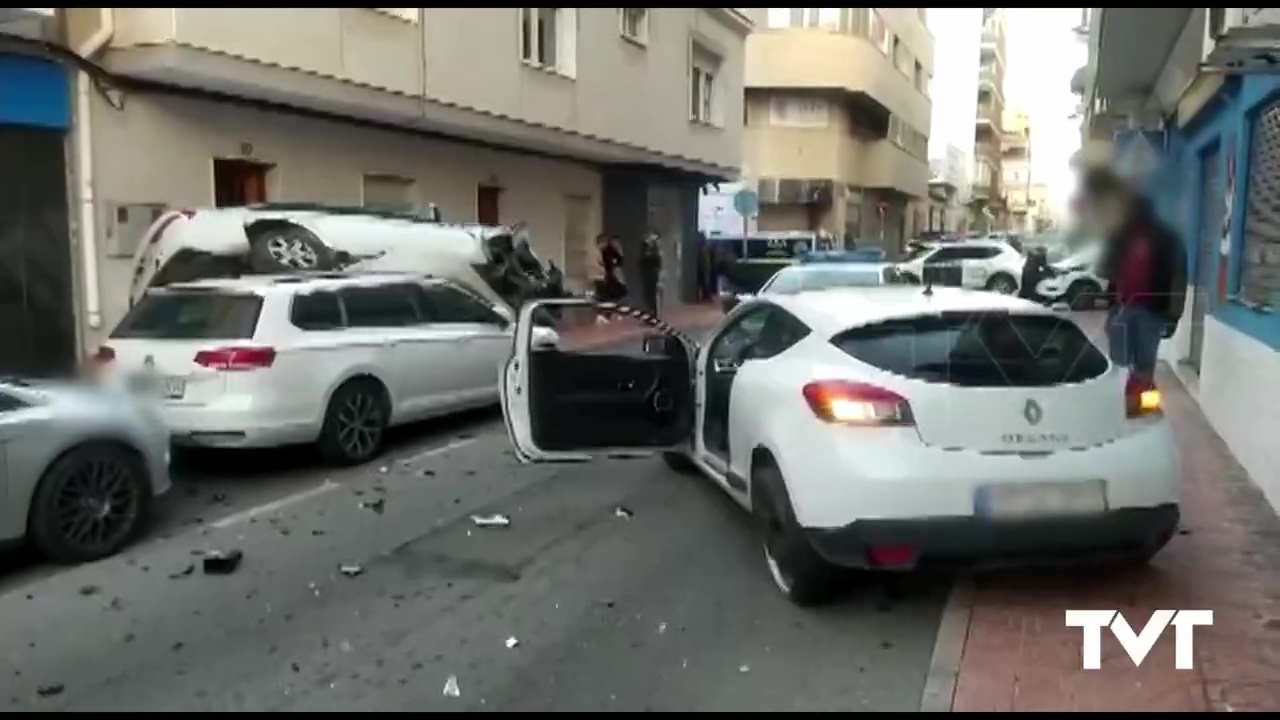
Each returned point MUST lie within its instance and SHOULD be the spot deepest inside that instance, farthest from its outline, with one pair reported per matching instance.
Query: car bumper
(969, 540)
(224, 428)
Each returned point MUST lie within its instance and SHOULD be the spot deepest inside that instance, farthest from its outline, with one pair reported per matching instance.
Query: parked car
(1074, 280)
(878, 427)
(79, 468)
(331, 358)
(821, 276)
(757, 257)
(859, 255)
(976, 264)
(278, 238)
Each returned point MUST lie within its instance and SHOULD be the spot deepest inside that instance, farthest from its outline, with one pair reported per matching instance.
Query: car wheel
(796, 568)
(1082, 295)
(90, 503)
(1003, 284)
(355, 423)
(282, 247)
(680, 462)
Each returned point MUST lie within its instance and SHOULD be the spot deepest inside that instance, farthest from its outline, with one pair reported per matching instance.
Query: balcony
(603, 103)
(887, 166)
(991, 77)
(819, 59)
(989, 115)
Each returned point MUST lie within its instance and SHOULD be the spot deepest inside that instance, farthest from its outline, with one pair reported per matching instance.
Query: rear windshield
(192, 316)
(979, 349)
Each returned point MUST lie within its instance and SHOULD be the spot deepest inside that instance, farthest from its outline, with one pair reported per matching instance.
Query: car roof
(289, 283)
(834, 310)
(849, 265)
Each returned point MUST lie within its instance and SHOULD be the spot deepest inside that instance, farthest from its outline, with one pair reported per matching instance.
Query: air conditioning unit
(1243, 40)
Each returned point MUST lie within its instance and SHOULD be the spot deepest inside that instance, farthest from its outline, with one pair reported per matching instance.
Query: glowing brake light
(852, 403)
(236, 359)
(1141, 398)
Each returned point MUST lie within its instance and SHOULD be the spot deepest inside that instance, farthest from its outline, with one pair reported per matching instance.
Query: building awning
(1133, 46)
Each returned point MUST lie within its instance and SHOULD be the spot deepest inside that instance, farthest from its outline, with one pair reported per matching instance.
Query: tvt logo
(1138, 644)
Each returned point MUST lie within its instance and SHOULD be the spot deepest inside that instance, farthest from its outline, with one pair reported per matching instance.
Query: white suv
(330, 358)
(975, 264)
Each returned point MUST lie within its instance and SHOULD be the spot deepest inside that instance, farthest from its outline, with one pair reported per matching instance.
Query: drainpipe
(84, 168)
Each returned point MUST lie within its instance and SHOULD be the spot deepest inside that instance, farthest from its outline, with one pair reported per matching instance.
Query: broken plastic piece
(376, 506)
(512, 642)
(351, 570)
(451, 688)
(623, 513)
(50, 690)
(495, 520)
(222, 562)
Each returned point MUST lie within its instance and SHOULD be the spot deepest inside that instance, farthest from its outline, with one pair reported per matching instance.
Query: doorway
(488, 204)
(1211, 213)
(237, 183)
(577, 240)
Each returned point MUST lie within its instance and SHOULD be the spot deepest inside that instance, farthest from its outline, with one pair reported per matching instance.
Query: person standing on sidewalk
(651, 271)
(1145, 267)
(610, 287)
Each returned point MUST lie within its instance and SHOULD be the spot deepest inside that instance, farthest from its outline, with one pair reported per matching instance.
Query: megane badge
(1032, 412)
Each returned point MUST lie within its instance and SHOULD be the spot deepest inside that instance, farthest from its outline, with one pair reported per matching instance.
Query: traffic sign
(747, 203)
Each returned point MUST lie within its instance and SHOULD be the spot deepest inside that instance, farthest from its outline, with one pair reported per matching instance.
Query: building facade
(987, 203)
(1015, 170)
(1210, 106)
(571, 120)
(37, 300)
(948, 181)
(837, 121)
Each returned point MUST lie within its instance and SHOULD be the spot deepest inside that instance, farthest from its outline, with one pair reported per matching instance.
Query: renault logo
(1032, 412)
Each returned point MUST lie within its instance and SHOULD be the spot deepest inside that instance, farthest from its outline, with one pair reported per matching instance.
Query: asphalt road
(667, 609)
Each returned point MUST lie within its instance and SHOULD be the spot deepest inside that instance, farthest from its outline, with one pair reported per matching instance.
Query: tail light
(236, 359)
(1141, 397)
(852, 403)
(104, 355)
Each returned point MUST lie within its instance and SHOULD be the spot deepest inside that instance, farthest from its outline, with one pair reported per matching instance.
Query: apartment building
(1015, 170)
(837, 120)
(988, 202)
(1199, 87)
(572, 120)
(947, 183)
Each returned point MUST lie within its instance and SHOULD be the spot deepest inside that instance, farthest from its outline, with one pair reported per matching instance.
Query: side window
(444, 304)
(781, 331)
(316, 311)
(385, 306)
(735, 341)
(9, 403)
(943, 255)
(978, 253)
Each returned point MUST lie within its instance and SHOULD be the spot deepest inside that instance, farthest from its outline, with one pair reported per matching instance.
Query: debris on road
(744, 668)
(451, 688)
(219, 498)
(495, 520)
(623, 513)
(351, 570)
(50, 690)
(512, 642)
(384, 470)
(222, 562)
(377, 506)
(184, 572)
(88, 590)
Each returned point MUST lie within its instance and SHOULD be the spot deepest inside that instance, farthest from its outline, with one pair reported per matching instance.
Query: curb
(948, 649)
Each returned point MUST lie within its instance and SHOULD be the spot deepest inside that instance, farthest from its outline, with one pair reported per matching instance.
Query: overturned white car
(185, 245)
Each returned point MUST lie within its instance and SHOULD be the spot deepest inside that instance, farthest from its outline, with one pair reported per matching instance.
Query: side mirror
(544, 338)
(660, 345)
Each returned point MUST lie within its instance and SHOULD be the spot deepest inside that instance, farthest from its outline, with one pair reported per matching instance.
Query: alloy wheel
(96, 504)
(359, 425)
(292, 252)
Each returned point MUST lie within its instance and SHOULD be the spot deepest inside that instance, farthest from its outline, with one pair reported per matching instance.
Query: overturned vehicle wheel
(285, 247)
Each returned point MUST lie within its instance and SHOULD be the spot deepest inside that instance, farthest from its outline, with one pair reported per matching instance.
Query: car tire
(103, 483)
(355, 423)
(284, 247)
(1002, 283)
(1082, 295)
(803, 576)
(680, 462)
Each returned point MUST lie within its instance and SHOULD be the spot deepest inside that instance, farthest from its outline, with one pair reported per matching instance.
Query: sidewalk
(685, 317)
(1010, 650)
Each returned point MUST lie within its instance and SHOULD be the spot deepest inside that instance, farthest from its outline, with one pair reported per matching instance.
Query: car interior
(612, 399)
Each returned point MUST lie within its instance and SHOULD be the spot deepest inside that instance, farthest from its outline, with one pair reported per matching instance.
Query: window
(8, 403)
(548, 39)
(798, 112)
(634, 24)
(758, 335)
(388, 192)
(193, 315)
(825, 18)
(316, 311)
(385, 306)
(445, 304)
(879, 32)
(237, 183)
(978, 350)
(704, 94)
(918, 78)
(406, 14)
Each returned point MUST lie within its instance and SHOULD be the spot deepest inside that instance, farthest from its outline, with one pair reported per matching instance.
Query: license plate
(174, 388)
(1039, 500)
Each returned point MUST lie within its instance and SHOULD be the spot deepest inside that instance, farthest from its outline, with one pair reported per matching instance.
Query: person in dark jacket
(1034, 269)
(1145, 266)
(611, 287)
(651, 270)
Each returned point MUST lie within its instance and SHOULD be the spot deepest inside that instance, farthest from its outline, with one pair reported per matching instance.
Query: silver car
(79, 468)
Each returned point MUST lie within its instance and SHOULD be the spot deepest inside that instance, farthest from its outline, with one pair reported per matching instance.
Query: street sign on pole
(747, 203)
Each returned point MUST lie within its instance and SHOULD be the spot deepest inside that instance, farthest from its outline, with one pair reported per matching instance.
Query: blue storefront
(1219, 186)
(37, 310)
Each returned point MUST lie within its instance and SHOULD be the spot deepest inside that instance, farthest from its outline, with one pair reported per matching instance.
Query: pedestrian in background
(1145, 266)
(610, 287)
(651, 270)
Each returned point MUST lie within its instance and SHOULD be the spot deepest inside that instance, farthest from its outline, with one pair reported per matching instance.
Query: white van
(186, 245)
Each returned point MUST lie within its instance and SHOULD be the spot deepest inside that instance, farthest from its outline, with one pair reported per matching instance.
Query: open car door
(565, 404)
